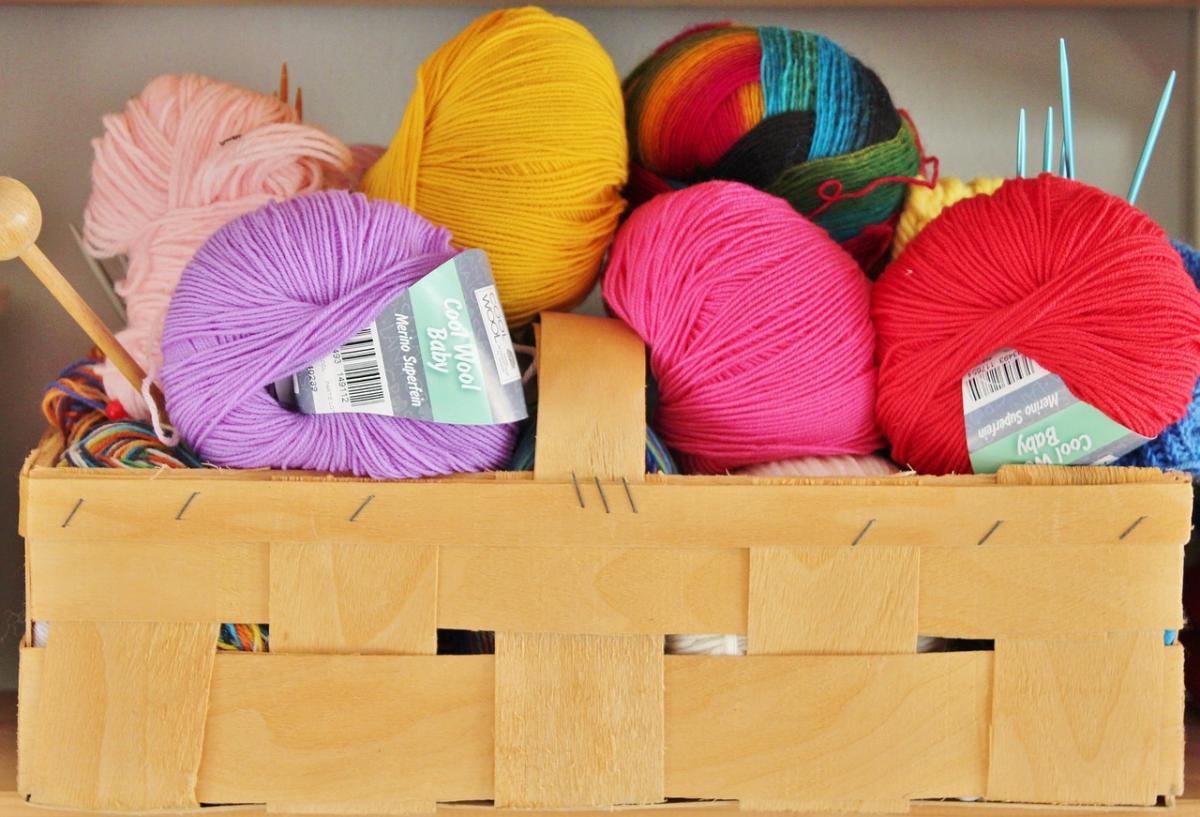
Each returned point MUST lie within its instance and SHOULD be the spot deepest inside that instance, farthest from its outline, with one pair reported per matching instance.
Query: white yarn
(844, 465)
(714, 644)
(706, 644)
(41, 633)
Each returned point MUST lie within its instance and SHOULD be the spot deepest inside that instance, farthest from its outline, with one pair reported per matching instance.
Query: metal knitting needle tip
(1021, 144)
(1064, 76)
(1160, 114)
(1048, 141)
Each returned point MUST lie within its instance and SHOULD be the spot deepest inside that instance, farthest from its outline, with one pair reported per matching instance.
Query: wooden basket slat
(635, 591)
(828, 728)
(816, 728)
(824, 601)
(579, 716)
(120, 717)
(1034, 591)
(579, 720)
(309, 728)
(1049, 591)
(353, 599)
(1078, 721)
(671, 512)
(1173, 734)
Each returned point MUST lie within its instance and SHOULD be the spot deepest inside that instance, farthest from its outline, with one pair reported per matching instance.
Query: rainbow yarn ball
(757, 323)
(277, 289)
(788, 112)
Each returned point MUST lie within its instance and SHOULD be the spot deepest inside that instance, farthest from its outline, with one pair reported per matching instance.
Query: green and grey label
(424, 357)
(1015, 411)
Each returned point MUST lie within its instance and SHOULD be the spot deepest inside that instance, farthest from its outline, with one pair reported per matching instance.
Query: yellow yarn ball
(514, 139)
(924, 204)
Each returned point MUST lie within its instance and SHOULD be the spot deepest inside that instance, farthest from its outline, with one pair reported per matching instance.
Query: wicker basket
(580, 569)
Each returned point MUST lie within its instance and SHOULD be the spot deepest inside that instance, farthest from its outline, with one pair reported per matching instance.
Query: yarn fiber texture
(1177, 448)
(1066, 274)
(870, 465)
(278, 289)
(789, 112)
(757, 324)
(514, 139)
(925, 203)
(186, 156)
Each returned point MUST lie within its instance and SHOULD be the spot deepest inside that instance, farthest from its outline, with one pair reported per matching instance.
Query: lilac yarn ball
(279, 288)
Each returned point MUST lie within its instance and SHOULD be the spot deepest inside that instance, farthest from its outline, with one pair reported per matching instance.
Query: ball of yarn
(514, 139)
(789, 112)
(1066, 274)
(925, 203)
(1177, 448)
(757, 324)
(187, 155)
(276, 290)
(870, 465)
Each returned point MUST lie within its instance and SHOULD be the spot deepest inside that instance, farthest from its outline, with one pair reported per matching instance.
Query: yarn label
(1015, 411)
(440, 352)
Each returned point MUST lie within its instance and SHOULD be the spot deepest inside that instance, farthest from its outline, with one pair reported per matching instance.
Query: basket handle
(591, 399)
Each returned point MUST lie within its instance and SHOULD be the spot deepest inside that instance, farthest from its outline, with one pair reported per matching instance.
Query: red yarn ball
(1075, 278)
(757, 323)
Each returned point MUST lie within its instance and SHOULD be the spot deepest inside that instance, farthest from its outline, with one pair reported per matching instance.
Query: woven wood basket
(580, 569)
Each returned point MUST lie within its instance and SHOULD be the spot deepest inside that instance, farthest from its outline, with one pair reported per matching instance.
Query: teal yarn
(1177, 448)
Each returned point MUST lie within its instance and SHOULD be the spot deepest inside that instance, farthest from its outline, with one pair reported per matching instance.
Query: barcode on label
(362, 372)
(1003, 372)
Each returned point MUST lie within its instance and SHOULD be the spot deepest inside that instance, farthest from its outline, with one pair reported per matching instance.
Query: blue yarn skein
(1177, 448)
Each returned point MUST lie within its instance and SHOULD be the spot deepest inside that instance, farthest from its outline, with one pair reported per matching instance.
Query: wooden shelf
(724, 4)
(11, 804)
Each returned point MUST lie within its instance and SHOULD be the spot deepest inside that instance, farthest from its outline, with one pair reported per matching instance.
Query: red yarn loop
(1069, 275)
(757, 324)
(831, 191)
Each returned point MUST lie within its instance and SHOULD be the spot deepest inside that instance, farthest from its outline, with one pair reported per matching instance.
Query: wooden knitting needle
(20, 226)
(283, 84)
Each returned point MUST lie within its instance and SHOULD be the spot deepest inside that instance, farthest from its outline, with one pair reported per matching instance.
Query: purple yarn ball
(279, 288)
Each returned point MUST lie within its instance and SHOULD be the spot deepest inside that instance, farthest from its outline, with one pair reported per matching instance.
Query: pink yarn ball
(186, 156)
(757, 323)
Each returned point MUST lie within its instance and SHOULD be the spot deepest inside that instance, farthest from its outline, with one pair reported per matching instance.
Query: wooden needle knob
(20, 224)
(20, 218)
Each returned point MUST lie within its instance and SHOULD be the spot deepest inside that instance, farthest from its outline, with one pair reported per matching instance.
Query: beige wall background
(961, 73)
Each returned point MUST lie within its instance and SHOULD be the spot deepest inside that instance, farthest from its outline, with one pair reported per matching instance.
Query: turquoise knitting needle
(1064, 161)
(1048, 141)
(1135, 186)
(1064, 75)
(1021, 144)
